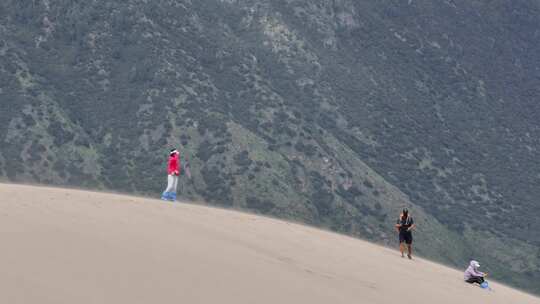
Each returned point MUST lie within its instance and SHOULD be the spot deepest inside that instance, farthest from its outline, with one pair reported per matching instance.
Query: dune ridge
(73, 246)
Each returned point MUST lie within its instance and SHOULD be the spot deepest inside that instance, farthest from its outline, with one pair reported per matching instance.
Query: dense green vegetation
(334, 113)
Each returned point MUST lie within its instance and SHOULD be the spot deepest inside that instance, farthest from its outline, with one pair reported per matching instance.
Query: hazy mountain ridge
(334, 113)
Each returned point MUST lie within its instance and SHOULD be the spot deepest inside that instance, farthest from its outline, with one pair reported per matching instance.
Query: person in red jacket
(173, 171)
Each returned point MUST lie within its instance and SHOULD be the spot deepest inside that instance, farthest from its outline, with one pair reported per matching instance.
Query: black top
(405, 223)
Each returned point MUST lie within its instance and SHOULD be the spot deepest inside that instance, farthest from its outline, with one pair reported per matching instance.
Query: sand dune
(67, 246)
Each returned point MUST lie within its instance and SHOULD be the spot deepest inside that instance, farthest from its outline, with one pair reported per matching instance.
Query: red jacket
(174, 164)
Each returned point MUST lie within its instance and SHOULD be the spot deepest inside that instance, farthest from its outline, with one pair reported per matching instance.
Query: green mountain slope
(335, 113)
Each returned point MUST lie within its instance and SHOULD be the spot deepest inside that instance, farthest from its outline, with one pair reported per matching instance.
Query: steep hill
(65, 246)
(334, 113)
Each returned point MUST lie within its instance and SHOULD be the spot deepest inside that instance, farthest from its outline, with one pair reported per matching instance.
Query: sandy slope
(66, 246)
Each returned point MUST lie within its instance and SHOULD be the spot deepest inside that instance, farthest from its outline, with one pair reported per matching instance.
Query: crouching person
(473, 275)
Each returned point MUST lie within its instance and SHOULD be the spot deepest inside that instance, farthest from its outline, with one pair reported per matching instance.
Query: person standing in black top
(404, 226)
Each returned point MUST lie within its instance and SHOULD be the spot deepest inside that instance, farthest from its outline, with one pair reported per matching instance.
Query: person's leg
(170, 183)
(174, 186)
(166, 193)
(408, 241)
(402, 244)
(472, 280)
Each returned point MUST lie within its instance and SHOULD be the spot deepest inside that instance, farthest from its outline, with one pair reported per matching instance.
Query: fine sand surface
(68, 246)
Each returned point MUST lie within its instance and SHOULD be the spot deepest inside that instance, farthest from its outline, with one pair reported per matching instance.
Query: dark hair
(405, 213)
